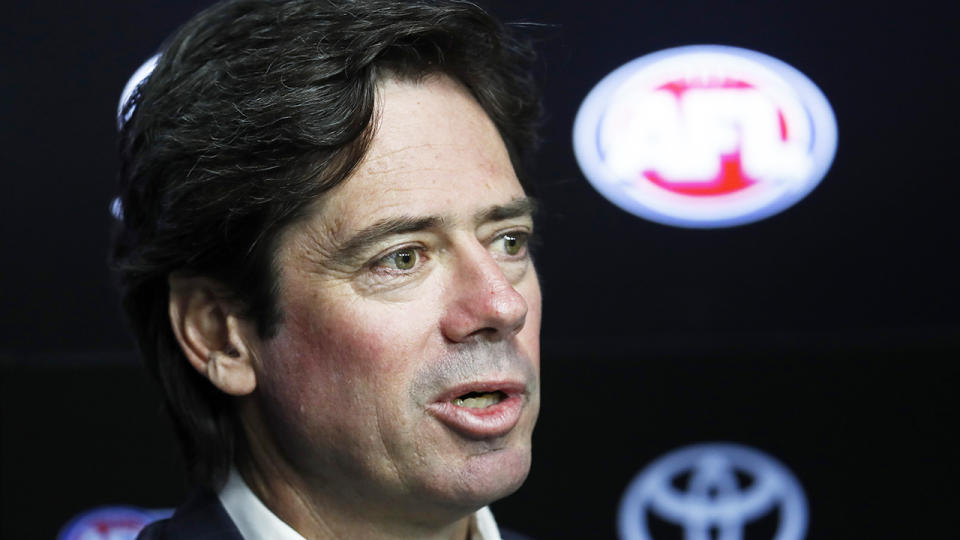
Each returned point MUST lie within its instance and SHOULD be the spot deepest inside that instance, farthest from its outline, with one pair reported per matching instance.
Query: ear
(213, 336)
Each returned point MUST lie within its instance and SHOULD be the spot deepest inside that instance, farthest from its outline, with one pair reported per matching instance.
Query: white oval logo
(714, 488)
(705, 136)
(111, 523)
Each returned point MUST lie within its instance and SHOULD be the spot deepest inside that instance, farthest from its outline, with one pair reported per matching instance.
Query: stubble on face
(345, 389)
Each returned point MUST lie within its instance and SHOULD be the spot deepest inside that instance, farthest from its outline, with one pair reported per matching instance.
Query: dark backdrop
(826, 336)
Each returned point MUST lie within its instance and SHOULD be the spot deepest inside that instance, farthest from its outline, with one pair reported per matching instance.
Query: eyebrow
(357, 244)
(519, 207)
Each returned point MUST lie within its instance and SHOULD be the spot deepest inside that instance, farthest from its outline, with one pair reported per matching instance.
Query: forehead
(434, 152)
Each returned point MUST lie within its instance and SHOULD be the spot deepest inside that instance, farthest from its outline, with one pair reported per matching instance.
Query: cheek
(345, 351)
(319, 382)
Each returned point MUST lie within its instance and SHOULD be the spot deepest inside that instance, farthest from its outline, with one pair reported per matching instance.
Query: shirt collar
(255, 521)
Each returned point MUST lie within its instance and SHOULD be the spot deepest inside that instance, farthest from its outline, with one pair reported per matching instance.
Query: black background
(827, 336)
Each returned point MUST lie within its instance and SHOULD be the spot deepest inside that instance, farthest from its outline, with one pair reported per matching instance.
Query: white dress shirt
(256, 522)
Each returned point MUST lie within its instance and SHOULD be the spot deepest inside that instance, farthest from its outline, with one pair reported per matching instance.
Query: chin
(470, 474)
(490, 476)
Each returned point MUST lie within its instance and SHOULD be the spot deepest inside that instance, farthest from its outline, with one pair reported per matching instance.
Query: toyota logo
(713, 488)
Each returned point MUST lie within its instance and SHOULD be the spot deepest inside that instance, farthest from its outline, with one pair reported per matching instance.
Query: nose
(481, 303)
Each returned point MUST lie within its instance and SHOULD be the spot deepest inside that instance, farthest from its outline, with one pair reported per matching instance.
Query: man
(323, 254)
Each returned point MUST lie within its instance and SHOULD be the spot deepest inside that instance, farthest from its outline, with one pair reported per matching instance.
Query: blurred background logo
(714, 491)
(110, 523)
(705, 136)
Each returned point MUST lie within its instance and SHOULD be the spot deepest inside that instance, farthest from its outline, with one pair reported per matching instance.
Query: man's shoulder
(203, 516)
(507, 534)
(200, 516)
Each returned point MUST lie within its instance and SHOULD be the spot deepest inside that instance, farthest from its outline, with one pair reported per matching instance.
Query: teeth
(478, 401)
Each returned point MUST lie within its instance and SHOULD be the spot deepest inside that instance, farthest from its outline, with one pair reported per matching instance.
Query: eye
(403, 259)
(514, 243)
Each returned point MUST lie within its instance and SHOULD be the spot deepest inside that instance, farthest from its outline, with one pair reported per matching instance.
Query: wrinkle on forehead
(403, 162)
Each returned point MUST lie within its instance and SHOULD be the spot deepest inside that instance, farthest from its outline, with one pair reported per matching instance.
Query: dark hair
(256, 108)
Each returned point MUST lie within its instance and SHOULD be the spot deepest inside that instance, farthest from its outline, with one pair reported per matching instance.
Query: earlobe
(231, 374)
(211, 335)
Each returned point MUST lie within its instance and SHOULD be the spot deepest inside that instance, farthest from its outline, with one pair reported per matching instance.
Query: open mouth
(479, 400)
(481, 410)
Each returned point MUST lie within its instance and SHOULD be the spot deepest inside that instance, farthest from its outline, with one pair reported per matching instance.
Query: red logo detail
(106, 525)
(731, 176)
(783, 125)
(678, 88)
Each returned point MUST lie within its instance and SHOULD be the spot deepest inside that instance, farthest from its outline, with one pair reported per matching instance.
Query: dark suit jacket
(202, 517)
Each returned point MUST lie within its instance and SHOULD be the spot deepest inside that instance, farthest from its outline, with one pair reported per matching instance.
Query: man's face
(405, 373)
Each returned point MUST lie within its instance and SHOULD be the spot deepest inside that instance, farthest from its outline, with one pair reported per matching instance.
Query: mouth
(479, 400)
(480, 410)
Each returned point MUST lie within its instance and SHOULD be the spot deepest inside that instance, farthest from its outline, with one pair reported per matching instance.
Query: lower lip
(482, 423)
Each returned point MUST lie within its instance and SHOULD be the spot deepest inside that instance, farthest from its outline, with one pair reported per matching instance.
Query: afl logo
(705, 136)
